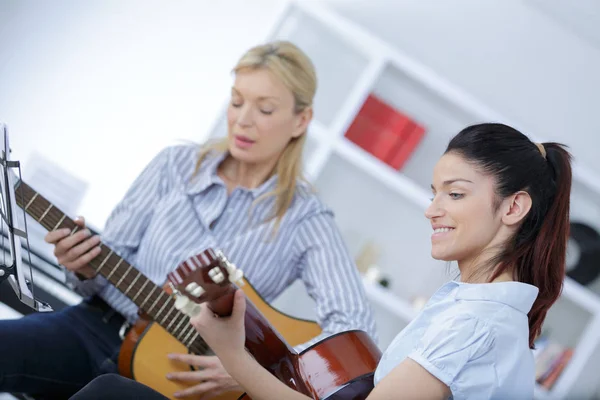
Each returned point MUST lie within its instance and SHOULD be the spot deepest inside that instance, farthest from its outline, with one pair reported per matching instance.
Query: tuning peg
(181, 302)
(191, 287)
(192, 309)
(216, 275)
(194, 289)
(237, 277)
(197, 292)
(231, 268)
(186, 306)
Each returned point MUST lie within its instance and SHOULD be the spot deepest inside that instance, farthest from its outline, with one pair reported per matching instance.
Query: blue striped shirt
(169, 214)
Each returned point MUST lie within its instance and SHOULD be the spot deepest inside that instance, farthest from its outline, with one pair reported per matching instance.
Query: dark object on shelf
(583, 253)
(375, 275)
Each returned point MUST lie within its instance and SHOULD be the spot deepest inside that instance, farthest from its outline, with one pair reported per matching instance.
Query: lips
(243, 142)
(244, 139)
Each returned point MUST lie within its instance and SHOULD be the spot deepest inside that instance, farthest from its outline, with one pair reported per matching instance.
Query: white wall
(530, 63)
(100, 87)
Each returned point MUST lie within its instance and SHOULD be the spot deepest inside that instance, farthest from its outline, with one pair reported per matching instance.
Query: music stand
(13, 270)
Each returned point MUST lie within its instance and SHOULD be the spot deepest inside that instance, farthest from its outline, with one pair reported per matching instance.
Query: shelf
(391, 313)
(585, 208)
(329, 52)
(382, 296)
(579, 380)
(566, 309)
(581, 295)
(383, 173)
(429, 79)
(394, 224)
(440, 118)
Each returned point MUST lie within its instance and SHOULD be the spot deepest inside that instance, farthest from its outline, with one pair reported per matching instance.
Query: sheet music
(57, 185)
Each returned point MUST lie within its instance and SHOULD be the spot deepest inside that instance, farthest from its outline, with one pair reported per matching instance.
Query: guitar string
(49, 217)
(183, 331)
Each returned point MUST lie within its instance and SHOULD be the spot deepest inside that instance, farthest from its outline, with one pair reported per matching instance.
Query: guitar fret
(45, 212)
(123, 277)
(59, 222)
(188, 335)
(114, 269)
(140, 292)
(161, 309)
(31, 201)
(155, 301)
(147, 297)
(179, 335)
(193, 339)
(172, 319)
(103, 261)
(178, 325)
(132, 283)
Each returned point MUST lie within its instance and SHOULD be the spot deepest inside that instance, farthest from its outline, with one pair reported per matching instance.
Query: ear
(303, 118)
(516, 208)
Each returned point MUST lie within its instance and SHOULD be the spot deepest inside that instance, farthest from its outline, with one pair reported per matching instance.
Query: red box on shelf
(385, 132)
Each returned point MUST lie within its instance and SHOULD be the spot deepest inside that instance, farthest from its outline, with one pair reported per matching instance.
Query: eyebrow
(233, 89)
(451, 181)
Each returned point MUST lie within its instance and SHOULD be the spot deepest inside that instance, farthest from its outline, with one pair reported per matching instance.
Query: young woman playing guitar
(500, 208)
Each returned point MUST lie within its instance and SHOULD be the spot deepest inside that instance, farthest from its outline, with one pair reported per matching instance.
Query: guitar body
(143, 354)
(340, 367)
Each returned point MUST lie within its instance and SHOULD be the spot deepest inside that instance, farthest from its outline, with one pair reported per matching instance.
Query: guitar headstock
(206, 277)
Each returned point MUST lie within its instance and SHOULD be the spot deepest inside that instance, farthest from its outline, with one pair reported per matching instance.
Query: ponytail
(549, 248)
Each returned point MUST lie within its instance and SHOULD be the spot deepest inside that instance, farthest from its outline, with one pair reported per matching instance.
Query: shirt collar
(207, 176)
(518, 295)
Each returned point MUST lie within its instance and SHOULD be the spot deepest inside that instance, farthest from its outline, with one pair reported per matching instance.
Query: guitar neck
(148, 296)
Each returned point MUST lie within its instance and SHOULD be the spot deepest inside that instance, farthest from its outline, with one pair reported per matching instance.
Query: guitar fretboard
(148, 296)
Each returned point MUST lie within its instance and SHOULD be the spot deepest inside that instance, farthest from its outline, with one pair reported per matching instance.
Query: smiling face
(463, 213)
(261, 117)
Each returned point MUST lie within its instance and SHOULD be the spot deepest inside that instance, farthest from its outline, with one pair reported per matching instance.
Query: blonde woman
(244, 194)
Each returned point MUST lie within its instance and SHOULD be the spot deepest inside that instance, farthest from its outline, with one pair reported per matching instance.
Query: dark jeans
(53, 355)
(111, 386)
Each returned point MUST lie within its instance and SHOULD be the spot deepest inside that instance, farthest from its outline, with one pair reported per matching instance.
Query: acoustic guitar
(161, 328)
(340, 367)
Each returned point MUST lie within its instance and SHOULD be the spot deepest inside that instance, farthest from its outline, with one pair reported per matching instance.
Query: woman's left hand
(225, 336)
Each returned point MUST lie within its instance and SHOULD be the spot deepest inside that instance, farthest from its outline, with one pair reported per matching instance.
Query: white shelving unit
(374, 202)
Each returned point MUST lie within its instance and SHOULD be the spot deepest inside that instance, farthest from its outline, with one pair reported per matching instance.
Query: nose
(434, 210)
(244, 117)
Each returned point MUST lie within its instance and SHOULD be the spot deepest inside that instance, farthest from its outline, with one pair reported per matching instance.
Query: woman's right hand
(75, 251)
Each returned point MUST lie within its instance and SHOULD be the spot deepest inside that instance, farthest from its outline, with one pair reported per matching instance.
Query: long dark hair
(536, 254)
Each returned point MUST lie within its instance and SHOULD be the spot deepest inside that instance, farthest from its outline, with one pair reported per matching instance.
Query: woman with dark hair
(500, 208)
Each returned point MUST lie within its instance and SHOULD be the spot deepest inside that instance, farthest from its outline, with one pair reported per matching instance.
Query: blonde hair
(295, 69)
